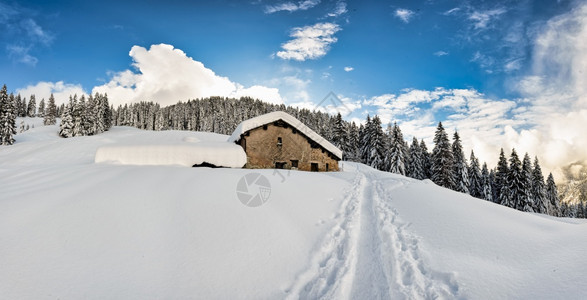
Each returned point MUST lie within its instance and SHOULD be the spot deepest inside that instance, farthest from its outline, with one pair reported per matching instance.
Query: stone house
(278, 140)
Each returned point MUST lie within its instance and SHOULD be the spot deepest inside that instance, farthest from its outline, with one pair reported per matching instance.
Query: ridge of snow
(221, 154)
(261, 120)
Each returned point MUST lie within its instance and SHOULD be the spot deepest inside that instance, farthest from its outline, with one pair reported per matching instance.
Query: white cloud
(167, 75)
(479, 119)
(35, 32)
(291, 7)
(483, 60)
(549, 120)
(452, 11)
(292, 87)
(348, 69)
(6, 13)
(339, 10)
(513, 65)
(390, 107)
(404, 14)
(440, 53)
(23, 33)
(331, 104)
(482, 19)
(21, 54)
(61, 91)
(264, 93)
(555, 92)
(310, 42)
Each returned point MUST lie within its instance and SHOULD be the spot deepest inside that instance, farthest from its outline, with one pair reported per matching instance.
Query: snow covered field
(71, 229)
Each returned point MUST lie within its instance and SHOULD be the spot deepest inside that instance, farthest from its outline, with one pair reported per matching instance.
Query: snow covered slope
(71, 229)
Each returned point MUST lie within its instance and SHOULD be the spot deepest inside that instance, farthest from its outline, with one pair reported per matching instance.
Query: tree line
(514, 182)
(81, 117)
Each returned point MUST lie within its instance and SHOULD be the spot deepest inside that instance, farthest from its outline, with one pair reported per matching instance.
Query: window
(279, 141)
(294, 163)
(280, 165)
(326, 167)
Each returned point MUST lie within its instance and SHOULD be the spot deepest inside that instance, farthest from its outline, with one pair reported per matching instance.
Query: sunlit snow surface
(73, 229)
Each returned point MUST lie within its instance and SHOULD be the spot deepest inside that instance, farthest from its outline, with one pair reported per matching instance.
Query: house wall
(263, 151)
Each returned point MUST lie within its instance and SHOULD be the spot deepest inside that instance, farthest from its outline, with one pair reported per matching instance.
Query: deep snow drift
(71, 229)
(187, 153)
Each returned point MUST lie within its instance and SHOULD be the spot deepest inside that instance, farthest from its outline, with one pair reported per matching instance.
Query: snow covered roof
(220, 154)
(289, 119)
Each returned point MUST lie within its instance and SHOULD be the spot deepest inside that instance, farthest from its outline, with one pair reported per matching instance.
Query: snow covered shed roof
(265, 119)
(220, 154)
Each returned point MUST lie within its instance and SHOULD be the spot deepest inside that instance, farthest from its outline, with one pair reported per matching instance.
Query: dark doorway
(294, 163)
(314, 167)
(326, 167)
(279, 165)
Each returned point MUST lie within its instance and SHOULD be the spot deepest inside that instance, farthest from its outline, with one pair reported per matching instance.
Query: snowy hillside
(71, 229)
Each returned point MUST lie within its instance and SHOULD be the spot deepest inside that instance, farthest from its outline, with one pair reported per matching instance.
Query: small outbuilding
(278, 140)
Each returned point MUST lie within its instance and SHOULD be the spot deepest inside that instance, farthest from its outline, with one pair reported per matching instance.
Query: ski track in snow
(369, 254)
(331, 265)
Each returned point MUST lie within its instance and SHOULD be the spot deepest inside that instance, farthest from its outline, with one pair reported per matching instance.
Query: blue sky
(485, 68)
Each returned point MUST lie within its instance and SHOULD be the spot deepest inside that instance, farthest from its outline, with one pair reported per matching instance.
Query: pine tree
(493, 186)
(90, 116)
(66, 127)
(387, 136)
(442, 159)
(397, 151)
(32, 108)
(538, 189)
(365, 141)
(76, 114)
(17, 105)
(352, 140)
(7, 118)
(486, 183)
(564, 210)
(528, 201)
(41, 112)
(107, 113)
(554, 208)
(83, 115)
(100, 125)
(338, 132)
(21, 108)
(51, 112)
(580, 210)
(460, 172)
(415, 167)
(516, 180)
(501, 180)
(475, 181)
(376, 154)
(426, 160)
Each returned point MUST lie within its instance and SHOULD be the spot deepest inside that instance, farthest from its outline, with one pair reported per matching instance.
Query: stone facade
(279, 145)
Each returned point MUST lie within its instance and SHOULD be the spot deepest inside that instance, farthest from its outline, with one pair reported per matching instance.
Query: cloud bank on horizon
(167, 75)
(162, 74)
